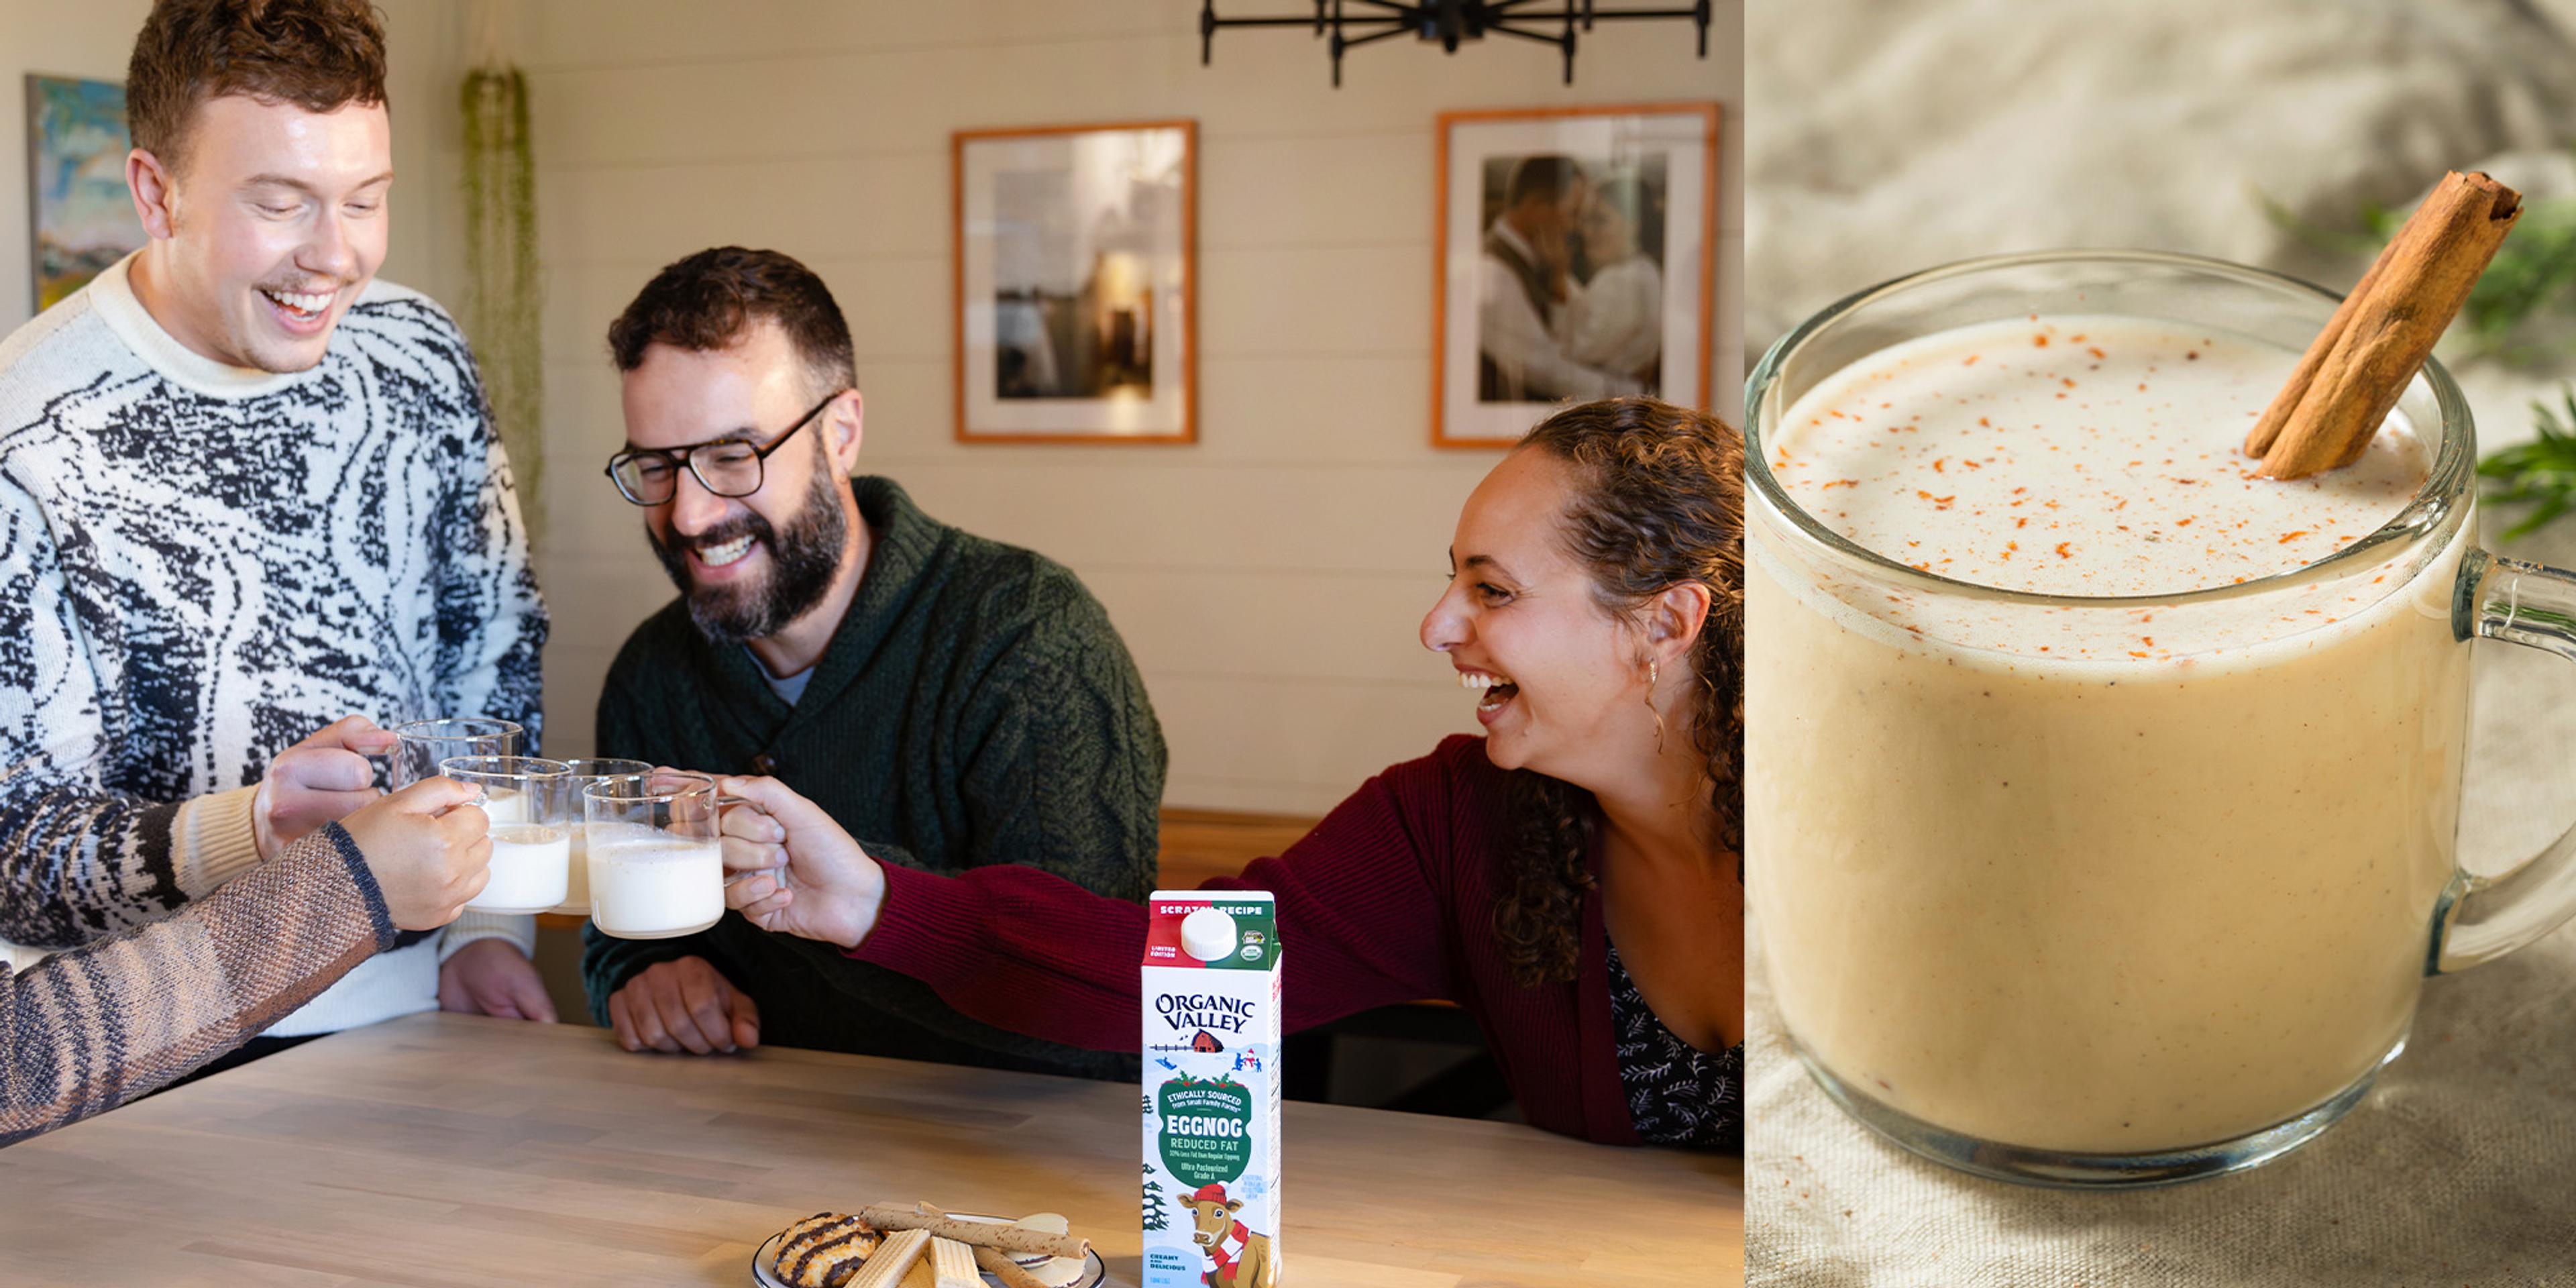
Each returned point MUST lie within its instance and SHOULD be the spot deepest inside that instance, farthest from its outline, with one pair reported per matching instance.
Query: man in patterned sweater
(246, 490)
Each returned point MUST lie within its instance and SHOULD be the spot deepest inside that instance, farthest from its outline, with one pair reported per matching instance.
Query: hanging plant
(503, 300)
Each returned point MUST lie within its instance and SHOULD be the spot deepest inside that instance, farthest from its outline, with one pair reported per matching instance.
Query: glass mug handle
(2482, 918)
(723, 803)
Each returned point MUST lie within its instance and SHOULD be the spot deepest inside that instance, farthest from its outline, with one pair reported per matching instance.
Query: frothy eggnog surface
(2074, 455)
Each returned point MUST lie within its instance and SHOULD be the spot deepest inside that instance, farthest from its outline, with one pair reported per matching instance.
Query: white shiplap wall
(1269, 579)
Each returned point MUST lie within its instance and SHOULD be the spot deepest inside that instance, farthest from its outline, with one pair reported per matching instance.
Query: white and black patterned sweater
(201, 565)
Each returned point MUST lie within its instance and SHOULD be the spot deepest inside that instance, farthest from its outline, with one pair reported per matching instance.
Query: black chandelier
(1450, 22)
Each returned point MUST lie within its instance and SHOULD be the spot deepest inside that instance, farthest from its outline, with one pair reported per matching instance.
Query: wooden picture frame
(1518, 325)
(1075, 269)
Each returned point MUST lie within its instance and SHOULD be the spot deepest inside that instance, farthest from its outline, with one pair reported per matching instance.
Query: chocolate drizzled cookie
(824, 1250)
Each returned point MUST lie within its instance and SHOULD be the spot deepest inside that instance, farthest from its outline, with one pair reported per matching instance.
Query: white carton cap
(1208, 934)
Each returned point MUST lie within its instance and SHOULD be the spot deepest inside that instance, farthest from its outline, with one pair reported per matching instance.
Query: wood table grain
(451, 1150)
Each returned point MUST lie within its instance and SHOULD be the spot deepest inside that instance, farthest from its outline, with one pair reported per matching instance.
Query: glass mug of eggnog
(655, 854)
(586, 771)
(2100, 795)
(529, 802)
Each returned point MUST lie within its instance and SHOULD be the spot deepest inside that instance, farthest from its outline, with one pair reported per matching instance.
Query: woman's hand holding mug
(791, 869)
(429, 848)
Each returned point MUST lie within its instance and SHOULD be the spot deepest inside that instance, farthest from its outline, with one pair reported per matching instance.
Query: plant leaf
(2540, 473)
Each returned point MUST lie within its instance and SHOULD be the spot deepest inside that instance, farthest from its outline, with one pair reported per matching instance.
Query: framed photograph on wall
(1076, 272)
(79, 218)
(1577, 259)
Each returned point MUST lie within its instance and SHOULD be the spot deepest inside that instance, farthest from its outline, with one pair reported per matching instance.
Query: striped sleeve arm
(90, 1029)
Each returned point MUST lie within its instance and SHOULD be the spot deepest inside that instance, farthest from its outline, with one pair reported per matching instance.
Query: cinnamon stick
(2358, 366)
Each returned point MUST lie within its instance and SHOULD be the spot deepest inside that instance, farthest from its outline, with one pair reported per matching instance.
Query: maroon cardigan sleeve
(1363, 922)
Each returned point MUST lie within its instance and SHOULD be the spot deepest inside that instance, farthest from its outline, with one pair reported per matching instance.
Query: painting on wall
(79, 217)
(1076, 275)
(1577, 260)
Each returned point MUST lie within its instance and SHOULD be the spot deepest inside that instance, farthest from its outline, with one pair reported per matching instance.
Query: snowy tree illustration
(1156, 1215)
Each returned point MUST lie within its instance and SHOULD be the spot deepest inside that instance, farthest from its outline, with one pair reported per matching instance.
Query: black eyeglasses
(728, 467)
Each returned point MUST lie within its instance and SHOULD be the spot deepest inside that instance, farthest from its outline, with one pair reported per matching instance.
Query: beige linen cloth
(1884, 138)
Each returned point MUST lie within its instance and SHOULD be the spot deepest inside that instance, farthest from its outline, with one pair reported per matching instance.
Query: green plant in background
(2533, 273)
(2540, 473)
(503, 299)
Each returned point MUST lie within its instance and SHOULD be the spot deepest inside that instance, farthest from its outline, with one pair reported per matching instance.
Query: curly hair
(1659, 503)
(316, 54)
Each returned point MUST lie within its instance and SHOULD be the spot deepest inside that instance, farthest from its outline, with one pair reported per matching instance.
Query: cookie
(824, 1250)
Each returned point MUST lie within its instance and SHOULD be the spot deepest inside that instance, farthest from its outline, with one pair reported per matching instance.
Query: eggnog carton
(1211, 976)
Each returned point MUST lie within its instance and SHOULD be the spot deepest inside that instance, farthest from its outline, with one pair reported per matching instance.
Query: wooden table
(453, 1150)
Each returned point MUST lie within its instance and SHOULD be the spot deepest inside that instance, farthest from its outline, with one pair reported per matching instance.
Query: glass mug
(656, 854)
(585, 771)
(529, 803)
(420, 746)
(2127, 921)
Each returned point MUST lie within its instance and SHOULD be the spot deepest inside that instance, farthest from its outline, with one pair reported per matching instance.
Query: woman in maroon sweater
(1570, 878)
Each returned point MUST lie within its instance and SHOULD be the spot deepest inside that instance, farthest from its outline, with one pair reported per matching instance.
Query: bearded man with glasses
(953, 701)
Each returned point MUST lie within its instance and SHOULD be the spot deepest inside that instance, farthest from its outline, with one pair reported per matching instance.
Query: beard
(805, 555)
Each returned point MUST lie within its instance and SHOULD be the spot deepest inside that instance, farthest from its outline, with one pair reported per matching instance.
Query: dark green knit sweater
(975, 707)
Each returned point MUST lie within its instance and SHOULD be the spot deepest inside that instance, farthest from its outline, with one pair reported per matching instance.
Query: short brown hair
(708, 300)
(315, 54)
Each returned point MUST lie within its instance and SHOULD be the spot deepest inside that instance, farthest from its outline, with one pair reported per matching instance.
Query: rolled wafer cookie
(976, 1234)
(1006, 1270)
(894, 1259)
(952, 1265)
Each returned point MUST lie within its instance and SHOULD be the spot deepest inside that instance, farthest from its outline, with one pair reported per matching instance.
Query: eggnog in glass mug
(528, 801)
(655, 855)
(2100, 796)
(586, 771)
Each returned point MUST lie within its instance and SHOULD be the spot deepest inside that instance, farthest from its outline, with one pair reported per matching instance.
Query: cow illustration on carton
(1237, 1256)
